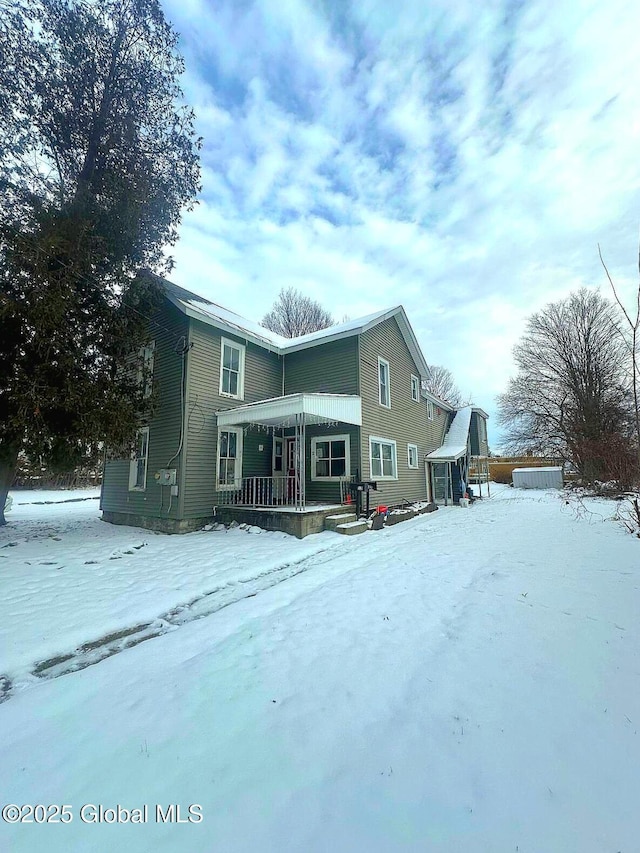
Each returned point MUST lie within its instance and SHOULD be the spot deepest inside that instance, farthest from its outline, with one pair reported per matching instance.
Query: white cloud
(462, 160)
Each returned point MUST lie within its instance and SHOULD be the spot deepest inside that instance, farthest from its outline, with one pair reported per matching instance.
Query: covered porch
(310, 440)
(451, 467)
(449, 475)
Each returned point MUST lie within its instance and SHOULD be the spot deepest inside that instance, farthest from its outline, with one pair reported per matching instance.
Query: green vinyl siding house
(279, 432)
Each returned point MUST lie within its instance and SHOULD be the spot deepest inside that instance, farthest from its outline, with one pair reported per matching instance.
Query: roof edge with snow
(215, 315)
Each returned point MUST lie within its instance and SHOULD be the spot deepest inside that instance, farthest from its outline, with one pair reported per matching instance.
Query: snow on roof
(209, 312)
(235, 321)
(481, 412)
(339, 328)
(455, 441)
(547, 468)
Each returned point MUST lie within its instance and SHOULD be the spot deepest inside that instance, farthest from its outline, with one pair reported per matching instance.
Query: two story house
(277, 431)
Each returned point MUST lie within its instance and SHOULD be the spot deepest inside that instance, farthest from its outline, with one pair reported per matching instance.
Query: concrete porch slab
(286, 519)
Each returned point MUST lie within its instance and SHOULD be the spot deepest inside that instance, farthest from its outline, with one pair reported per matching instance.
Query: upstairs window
(138, 464)
(232, 369)
(383, 383)
(330, 457)
(415, 389)
(430, 410)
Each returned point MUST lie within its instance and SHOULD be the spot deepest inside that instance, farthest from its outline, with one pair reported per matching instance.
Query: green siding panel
(164, 430)
(263, 379)
(406, 422)
(330, 368)
(479, 445)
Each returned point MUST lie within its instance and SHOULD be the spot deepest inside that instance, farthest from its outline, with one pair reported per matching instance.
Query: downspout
(182, 449)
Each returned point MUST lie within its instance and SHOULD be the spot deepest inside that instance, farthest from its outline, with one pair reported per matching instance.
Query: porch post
(303, 462)
(296, 479)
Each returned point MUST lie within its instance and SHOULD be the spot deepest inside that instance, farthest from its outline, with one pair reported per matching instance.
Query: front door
(294, 486)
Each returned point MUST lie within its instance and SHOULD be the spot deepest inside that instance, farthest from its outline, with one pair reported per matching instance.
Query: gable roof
(221, 318)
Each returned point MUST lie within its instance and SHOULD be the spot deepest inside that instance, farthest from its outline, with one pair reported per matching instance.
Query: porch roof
(282, 411)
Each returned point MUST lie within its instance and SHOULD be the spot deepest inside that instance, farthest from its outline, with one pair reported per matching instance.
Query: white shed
(537, 478)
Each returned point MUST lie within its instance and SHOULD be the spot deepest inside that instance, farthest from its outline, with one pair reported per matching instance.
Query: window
(278, 456)
(415, 388)
(231, 369)
(383, 383)
(412, 455)
(383, 459)
(138, 464)
(330, 457)
(430, 410)
(229, 458)
(145, 368)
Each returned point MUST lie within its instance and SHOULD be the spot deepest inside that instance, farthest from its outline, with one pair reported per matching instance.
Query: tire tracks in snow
(94, 651)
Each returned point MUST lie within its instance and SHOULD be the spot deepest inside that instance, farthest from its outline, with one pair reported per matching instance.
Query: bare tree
(570, 397)
(631, 338)
(441, 383)
(294, 314)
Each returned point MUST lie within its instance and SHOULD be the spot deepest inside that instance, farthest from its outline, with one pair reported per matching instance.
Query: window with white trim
(384, 391)
(412, 455)
(229, 457)
(231, 369)
(415, 388)
(430, 410)
(383, 459)
(139, 459)
(330, 457)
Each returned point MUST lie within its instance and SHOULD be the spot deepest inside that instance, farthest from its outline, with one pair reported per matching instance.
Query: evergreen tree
(98, 157)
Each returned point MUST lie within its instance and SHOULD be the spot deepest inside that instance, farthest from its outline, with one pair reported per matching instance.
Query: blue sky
(460, 158)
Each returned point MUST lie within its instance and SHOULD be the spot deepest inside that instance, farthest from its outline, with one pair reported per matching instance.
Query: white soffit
(282, 411)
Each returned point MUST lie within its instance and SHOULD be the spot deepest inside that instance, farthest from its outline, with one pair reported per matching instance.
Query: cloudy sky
(460, 158)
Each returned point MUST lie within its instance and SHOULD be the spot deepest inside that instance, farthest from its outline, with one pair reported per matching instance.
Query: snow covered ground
(464, 681)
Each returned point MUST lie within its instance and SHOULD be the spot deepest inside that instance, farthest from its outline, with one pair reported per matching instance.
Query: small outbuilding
(538, 478)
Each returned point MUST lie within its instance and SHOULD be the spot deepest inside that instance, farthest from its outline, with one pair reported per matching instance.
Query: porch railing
(263, 492)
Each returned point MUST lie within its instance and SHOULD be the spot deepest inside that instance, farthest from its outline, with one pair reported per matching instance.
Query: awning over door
(285, 411)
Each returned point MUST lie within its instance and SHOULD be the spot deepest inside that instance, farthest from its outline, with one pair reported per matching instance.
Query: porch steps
(352, 528)
(331, 522)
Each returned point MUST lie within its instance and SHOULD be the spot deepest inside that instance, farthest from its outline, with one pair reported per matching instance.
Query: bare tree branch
(571, 396)
(294, 314)
(441, 383)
